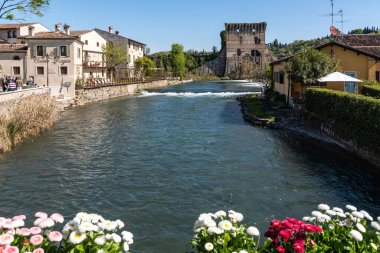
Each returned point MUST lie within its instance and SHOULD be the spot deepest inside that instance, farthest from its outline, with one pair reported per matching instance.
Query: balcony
(94, 64)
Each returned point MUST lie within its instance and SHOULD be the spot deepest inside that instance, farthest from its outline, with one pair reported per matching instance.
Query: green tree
(307, 67)
(114, 55)
(144, 64)
(178, 60)
(9, 9)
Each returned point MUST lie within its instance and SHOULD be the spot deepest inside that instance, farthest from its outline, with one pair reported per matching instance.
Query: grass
(255, 107)
(25, 118)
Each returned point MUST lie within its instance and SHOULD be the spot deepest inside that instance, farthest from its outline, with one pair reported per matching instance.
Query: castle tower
(244, 42)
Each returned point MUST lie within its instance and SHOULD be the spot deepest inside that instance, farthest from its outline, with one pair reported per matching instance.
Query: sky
(196, 24)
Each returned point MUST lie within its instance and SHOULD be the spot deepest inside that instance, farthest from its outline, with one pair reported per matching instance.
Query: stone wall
(14, 95)
(103, 93)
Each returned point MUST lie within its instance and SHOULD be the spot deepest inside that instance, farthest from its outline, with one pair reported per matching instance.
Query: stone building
(245, 44)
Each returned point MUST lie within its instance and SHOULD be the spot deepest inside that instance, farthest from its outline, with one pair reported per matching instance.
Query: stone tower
(245, 42)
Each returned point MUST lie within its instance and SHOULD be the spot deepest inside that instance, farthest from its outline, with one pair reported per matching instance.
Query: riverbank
(301, 125)
(85, 96)
(25, 118)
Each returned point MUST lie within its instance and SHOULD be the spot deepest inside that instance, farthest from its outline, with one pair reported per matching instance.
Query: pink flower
(298, 248)
(35, 230)
(57, 217)
(18, 223)
(19, 217)
(41, 215)
(36, 239)
(45, 223)
(8, 224)
(55, 236)
(11, 231)
(6, 239)
(11, 249)
(23, 232)
(39, 250)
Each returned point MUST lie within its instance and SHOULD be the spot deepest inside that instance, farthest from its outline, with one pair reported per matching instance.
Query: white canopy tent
(338, 77)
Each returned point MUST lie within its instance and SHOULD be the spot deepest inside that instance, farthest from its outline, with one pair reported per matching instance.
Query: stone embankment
(86, 96)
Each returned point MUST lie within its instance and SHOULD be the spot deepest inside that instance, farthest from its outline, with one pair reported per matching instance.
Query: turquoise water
(158, 160)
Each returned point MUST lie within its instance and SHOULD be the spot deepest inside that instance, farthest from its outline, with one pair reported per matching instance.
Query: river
(158, 160)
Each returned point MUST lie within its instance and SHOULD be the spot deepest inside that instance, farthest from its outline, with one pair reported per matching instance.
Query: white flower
(341, 215)
(338, 210)
(366, 215)
(204, 216)
(221, 214)
(331, 226)
(87, 226)
(209, 246)
(306, 218)
(18, 223)
(253, 231)
(70, 226)
(243, 251)
(361, 228)
(108, 236)
(220, 241)
(331, 212)
(100, 240)
(120, 224)
(215, 230)
(116, 238)
(101, 251)
(76, 237)
(356, 235)
(209, 223)
(375, 225)
(326, 217)
(317, 214)
(351, 208)
(225, 225)
(323, 207)
(358, 214)
(108, 225)
(127, 235)
(373, 246)
(126, 247)
(235, 216)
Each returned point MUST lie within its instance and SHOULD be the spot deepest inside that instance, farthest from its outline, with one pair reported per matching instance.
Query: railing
(95, 84)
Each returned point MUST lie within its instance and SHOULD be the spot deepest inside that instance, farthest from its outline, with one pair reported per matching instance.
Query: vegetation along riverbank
(25, 118)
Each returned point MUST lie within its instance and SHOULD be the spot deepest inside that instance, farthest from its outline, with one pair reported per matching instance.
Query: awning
(338, 77)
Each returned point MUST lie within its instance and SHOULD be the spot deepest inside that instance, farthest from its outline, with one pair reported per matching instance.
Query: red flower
(287, 224)
(280, 249)
(309, 228)
(275, 223)
(298, 248)
(285, 235)
(318, 229)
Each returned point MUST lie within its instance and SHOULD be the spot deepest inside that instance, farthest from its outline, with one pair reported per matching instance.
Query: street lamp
(51, 56)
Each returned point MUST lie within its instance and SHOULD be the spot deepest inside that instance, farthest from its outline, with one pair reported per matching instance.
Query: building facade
(359, 57)
(245, 44)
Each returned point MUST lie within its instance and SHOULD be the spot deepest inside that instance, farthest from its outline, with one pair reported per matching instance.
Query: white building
(10, 33)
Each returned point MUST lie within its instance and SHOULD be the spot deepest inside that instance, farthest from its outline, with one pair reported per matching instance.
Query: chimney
(110, 29)
(117, 32)
(31, 31)
(58, 27)
(66, 28)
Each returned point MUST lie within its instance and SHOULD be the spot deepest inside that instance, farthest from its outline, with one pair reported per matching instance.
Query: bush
(371, 91)
(25, 118)
(352, 117)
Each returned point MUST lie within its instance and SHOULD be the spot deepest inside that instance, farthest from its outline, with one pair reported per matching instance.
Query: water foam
(194, 94)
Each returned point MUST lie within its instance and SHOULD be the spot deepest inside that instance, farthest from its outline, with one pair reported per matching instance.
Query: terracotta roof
(13, 48)
(50, 36)
(360, 40)
(80, 32)
(14, 26)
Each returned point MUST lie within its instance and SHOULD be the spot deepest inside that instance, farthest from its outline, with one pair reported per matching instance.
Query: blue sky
(196, 23)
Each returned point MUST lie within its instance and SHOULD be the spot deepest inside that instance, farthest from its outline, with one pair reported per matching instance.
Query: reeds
(25, 118)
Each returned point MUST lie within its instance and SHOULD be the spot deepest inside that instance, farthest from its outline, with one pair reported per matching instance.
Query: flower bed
(85, 233)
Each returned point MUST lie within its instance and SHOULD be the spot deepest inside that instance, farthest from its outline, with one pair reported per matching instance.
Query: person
(30, 81)
(11, 84)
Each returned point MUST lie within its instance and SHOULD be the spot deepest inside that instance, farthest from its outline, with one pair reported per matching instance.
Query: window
(40, 51)
(63, 70)
(279, 77)
(239, 52)
(86, 42)
(257, 40)
(16, 71)
(16, 58)
(9, 34)
(22, 42)
(282, 76)
(15, 34)
(40, 71)
(97, 44)
(78, 53)
(63, 51)
(378, 76)
(241, 40)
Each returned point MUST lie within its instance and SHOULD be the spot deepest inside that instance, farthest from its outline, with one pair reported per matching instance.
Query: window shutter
(44, 51)
(33, 51)
(68, 51)
(58, 52)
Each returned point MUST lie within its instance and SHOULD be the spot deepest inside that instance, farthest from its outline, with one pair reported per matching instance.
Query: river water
(158, 160)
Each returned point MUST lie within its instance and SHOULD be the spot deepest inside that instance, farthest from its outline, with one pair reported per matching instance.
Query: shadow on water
(358, 178)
